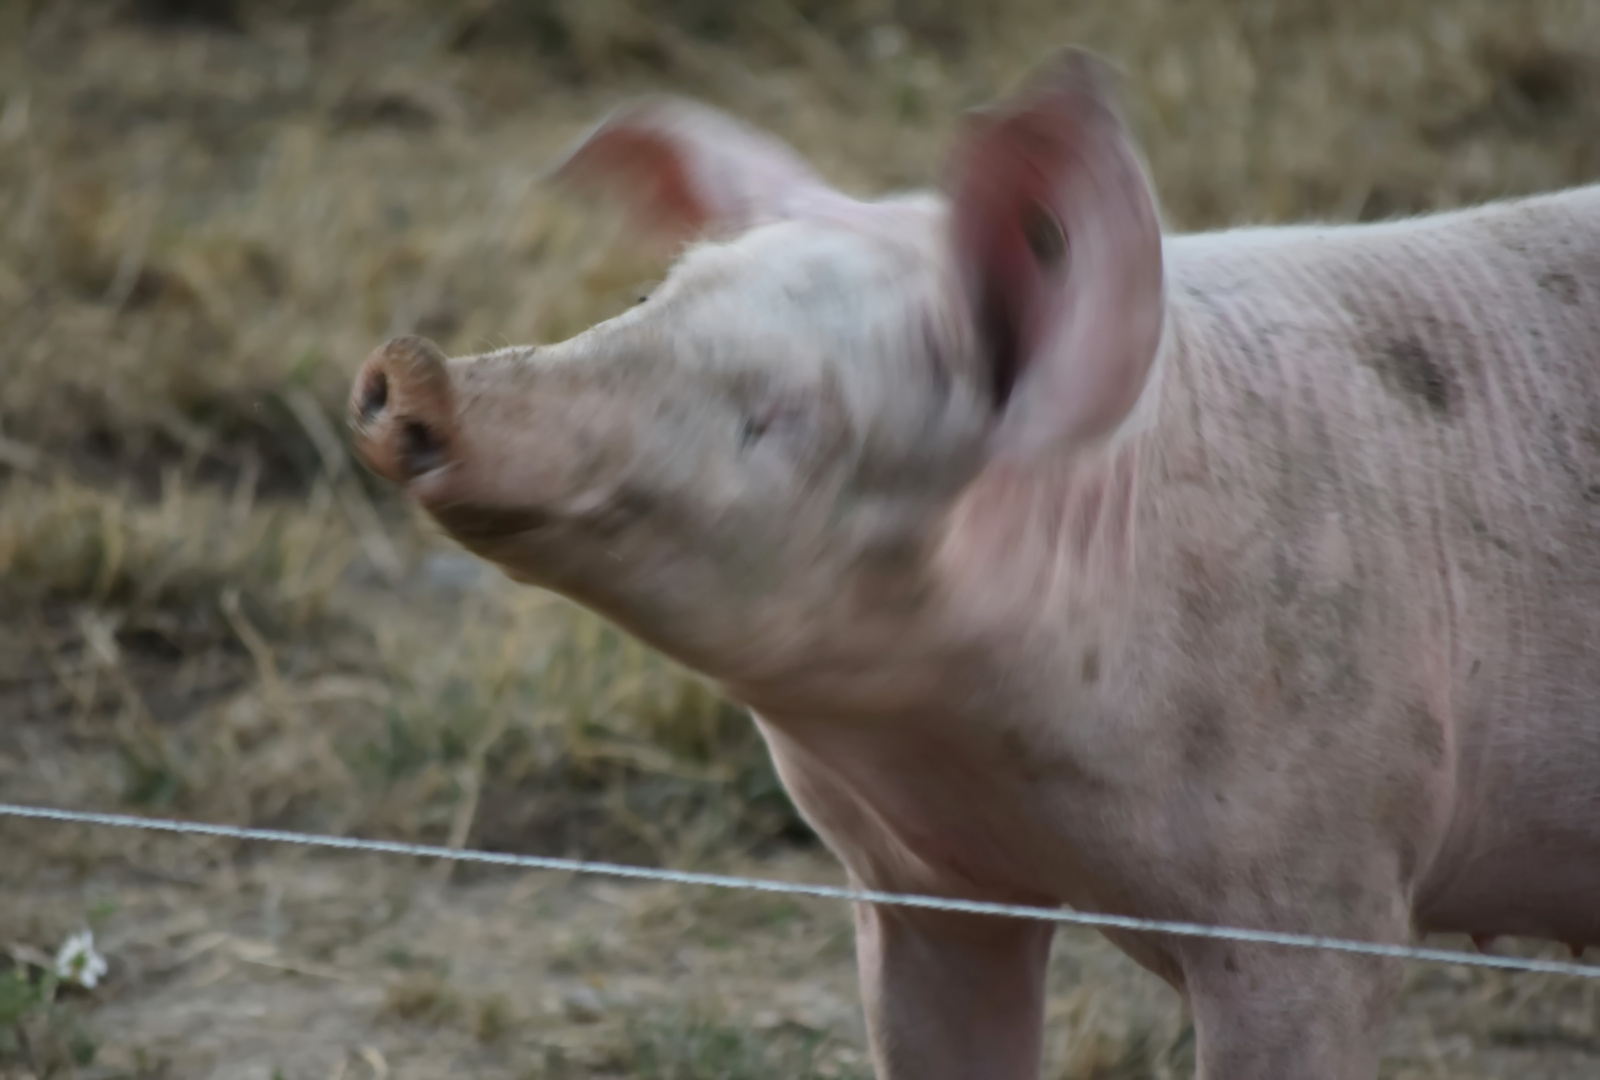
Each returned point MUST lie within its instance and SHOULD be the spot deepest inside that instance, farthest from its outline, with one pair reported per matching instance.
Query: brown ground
(211, 210)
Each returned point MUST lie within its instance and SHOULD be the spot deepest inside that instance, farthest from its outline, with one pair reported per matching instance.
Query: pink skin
(1250, 578)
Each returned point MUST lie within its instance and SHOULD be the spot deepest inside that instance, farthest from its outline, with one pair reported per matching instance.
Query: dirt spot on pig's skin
(1036, 763)
(1562, 286)
(1427, 733)
(1091, 667)
(1205, 740)
(1202, 591)
(1408, 372)
(1285, 656)
(1017, 754)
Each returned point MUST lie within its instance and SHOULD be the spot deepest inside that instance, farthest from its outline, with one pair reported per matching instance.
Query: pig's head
(751, 468)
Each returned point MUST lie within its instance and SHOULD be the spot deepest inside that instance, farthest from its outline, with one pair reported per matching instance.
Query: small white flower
(77, 962)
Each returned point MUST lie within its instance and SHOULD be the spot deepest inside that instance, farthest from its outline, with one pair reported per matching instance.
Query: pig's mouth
(472, 522)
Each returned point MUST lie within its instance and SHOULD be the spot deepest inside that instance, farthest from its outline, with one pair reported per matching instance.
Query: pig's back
(1399, 429)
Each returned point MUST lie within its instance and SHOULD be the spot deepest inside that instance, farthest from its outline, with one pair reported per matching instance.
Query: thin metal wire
(828, 892)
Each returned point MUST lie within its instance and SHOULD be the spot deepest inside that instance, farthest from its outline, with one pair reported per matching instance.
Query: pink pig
(1248, 578)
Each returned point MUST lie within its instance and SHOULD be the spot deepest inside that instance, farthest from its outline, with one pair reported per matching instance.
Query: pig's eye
(775, 415)
(750, 431)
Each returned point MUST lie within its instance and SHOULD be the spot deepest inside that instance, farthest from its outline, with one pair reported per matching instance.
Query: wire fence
(828, 892)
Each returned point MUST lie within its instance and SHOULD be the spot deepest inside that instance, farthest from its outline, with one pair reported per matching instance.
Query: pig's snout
(403, 411)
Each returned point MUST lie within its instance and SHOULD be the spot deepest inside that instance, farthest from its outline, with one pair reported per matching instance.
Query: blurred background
(211, 210)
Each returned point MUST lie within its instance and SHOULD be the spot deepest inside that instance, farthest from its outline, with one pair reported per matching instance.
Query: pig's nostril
(420, 450)
(375, 397)
(401, 410)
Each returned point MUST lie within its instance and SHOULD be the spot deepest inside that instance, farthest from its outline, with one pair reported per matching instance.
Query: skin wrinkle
(1522, 400)
(1378, 487)
(1547, 318)
(1473, 401)
(1309, 397)
(1514, 482)
(1556, 314)
(1493, 434)
(1392, 425)
(1438, 629)
(1197, 468)
(1341, 527)
(1517, 654)
(1502, 380)
(1345, 527)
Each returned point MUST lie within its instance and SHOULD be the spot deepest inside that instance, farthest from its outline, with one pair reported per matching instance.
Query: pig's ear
(688, 168)
(1058, 246)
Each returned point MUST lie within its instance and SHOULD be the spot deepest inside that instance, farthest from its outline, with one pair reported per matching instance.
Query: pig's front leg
(1264, 1013)
(947, 996)
(952, 997)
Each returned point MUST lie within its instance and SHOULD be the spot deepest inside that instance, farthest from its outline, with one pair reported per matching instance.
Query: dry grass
(210, 210)
(224, 664)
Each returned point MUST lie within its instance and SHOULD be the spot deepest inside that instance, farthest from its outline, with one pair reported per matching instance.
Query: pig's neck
(1017, 558)
(1032, 548)
(1027, 567)
(1022, 540)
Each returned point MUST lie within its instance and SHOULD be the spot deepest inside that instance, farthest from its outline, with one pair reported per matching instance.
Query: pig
(1247, 578)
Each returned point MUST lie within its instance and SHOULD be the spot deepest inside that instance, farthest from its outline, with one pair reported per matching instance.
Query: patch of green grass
(495, 1018)
(398, 956)
(39, 1033)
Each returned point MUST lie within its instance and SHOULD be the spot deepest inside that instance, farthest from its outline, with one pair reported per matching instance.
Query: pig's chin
(519, 546)
(530, 546)
(484, 524)
(474, 517)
